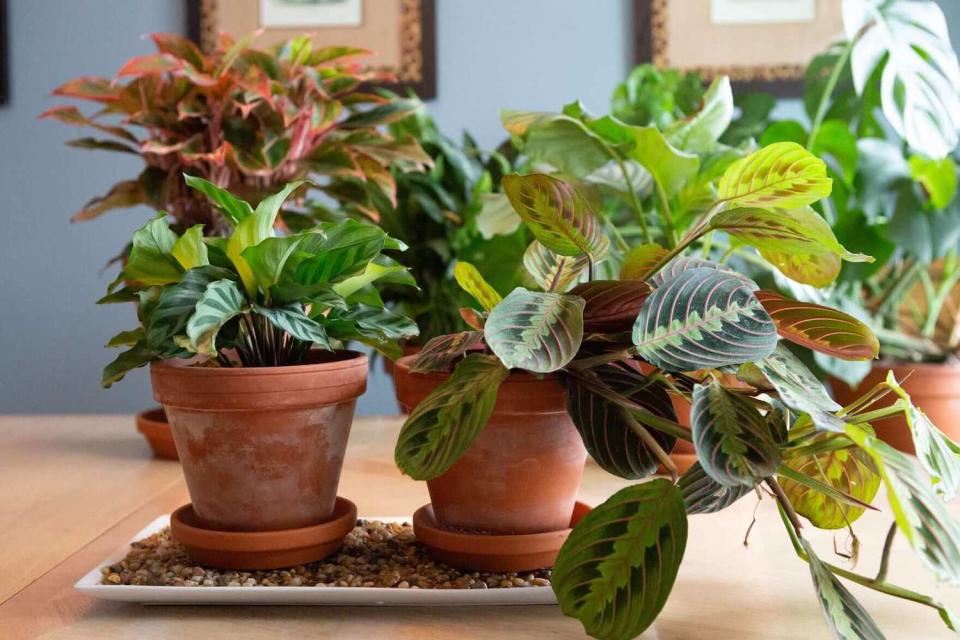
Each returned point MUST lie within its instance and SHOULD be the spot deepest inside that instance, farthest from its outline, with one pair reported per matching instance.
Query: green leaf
(733, 441)
(703, 494)
(344, 249)
(703, 318)
(296, 323)
(444, 425)
(938, 177)
(640, 261)
(607, 431)
(552, 271)
(127, 338)
(496, 217)
(538, 332)
(473, 283)
(234, 209)
(127, 193)
(268, 258)
(820, 328)
(558, 214)
(137, 356)
(678, 265)
(558, 140)
(845, 616)
(617, 568)
(700, 133)
(920, 514)
(374, 271)
(177, 303)
(220, 303)
(190, 250)
(369, 324)
(150, 261)
(783, 175)
(611, 306)
(440, 352)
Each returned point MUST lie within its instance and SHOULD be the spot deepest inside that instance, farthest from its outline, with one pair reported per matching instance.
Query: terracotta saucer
(262, 549)
(154, 427)
(498, 553)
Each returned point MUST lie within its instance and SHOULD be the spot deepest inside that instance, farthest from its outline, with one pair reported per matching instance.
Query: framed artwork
(763, 45)
(402, 33)
(4, 53)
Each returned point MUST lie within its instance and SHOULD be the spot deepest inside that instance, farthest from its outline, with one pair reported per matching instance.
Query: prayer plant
(675, 325)
(254, 299)
(247, 120)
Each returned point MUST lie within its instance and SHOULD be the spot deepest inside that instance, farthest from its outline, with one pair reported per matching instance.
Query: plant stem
(691, 237)
(652, 444)
(784, 502)
(634, 200)
(667, 217)
(885, 556)
(828, 93)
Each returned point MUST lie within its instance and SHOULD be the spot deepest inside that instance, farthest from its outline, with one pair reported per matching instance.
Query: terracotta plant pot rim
(153, 424)
(346, 359)
(516, 376)
(186, 530)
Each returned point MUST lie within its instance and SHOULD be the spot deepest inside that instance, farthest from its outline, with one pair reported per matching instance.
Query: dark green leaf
(440, 352)
(845, 616)
(296, 323)
(703, 494)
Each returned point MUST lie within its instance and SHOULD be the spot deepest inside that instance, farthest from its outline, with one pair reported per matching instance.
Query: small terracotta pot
(262, 447)
(155, 428)
(522, 473)
(934, 388)
(389, 367)
(683, 454)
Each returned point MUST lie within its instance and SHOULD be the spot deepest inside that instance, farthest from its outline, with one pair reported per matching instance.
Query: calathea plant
(678, 325)
(254, 299)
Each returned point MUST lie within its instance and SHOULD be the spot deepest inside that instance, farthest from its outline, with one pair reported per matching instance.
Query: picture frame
(401, 33)
(726, 37)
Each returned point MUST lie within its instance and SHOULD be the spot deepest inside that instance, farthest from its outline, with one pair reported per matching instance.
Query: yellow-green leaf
(640, 261)
(189, 249)
(470, 280)
(782, 175)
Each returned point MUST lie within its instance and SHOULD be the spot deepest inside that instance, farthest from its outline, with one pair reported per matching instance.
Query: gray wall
(491, 54)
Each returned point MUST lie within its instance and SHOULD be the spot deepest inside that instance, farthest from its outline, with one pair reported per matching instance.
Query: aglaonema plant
(253, 298)
(674, 325)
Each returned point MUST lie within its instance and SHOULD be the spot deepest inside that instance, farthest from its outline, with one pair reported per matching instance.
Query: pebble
(374, 554)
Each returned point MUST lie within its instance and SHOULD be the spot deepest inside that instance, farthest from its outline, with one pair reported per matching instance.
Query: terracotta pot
(389, 367)
(522, 473)
(262, 447)
(155, 428)
(683, 454)
(934, 388)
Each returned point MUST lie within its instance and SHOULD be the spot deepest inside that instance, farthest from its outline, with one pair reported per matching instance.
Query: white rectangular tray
(330, 596)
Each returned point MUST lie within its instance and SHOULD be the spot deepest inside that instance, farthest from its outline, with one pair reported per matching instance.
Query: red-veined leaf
(611, 305)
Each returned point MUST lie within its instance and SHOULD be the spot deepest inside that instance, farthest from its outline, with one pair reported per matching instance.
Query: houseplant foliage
(674, 323)
(253, 298)
(245, 119)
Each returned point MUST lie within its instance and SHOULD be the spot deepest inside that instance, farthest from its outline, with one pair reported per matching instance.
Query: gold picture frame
(401, 33)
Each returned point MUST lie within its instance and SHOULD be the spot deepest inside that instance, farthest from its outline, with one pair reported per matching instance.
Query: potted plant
(884, 107)
(244, 336)
(246, 120)
(673, 324)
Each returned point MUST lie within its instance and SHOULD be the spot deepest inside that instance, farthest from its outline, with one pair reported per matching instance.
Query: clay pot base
(154, 427)
(494, 553)
(262, 549)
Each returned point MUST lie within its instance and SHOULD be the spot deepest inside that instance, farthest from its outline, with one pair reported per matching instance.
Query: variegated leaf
(820, 328)
(611, 306)
(552, 271)
(440, 352)
(606, 431)
(220, 303)
(444, 425)
(782, 175)
(292, 320)
(733, 442)
(538, 332)
(640, 261)
(617, 568)
(845, 616)
(470, 280)
(177, 302)
(703, 319)
(558, 214)
(679, 265)
(703, 494)
(919, 512)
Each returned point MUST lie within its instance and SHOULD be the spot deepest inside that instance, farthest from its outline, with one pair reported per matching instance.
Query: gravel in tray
(374, 554)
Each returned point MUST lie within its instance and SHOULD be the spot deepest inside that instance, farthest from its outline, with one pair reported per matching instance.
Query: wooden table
(73, 489)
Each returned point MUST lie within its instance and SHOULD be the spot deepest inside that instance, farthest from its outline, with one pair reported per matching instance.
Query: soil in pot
(934, 388)
(155, 428)
(262, 447)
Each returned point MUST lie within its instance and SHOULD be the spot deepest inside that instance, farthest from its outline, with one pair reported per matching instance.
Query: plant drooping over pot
(255, 299)
(247, 120)
(692, 320)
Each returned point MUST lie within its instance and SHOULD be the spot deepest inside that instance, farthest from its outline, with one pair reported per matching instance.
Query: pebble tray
(91, 585)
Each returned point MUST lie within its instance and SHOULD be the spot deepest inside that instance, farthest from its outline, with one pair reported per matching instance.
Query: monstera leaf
(820, 328)
(611, 306)
(440, 352)
(919, 512)
(920, 78)
(703, 319)
(733, 442)
(641, 260)
(845, 616)
(558, 140)
(605, 429)
(850, 471)
(703, 494)
(538, 332)
(558, 214)
(783, 175)
(700, 133)
(552, 271)
(444, 425)
(473, 283)
(790, 239)
(615, 571)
